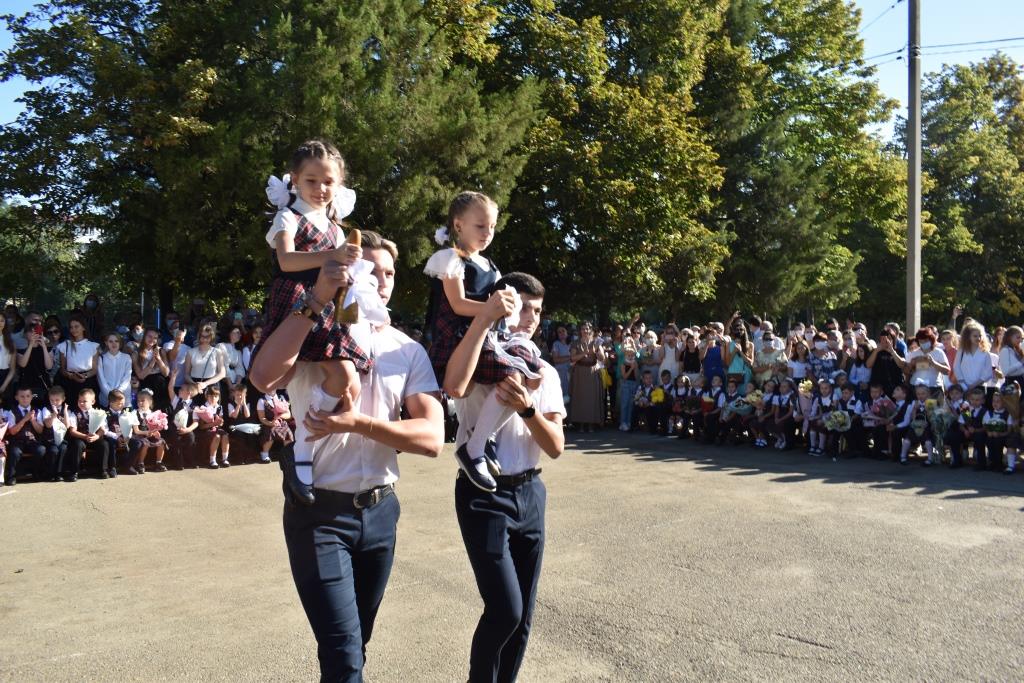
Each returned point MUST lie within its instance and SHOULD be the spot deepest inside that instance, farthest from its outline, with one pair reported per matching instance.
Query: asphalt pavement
(666, 561)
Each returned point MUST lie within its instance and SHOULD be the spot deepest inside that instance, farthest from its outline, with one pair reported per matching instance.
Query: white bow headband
(280, 195)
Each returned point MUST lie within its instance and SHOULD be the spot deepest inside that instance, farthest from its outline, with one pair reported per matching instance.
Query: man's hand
(513, 394)
(333, 275)
(499, 305)
(320, 423)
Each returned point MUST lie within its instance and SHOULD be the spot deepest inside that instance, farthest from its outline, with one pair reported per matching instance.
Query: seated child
(273, 413)
(86, 443)
(181, 425)
(147, 437)
(24, 436)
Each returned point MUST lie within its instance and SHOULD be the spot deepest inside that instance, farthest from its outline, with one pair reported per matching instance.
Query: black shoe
(482, 480)
(132, 470)
(491, 454)
(301, 494)
(140, 469)
(212, 465)
(104, 475)
(113, 473)
(70, 478)
(225, 464)
(9, 482)
(159, 467)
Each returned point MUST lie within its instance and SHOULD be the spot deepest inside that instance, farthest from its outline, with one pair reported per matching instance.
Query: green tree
(158, 123)
(786, 102)
(973, 154)
(619, 168)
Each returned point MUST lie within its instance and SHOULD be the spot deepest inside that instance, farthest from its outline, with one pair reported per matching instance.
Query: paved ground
(665, 562)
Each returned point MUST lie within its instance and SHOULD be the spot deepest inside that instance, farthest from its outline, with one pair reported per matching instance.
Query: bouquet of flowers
(707, 403)
(658, 396)
(739, 406)
(157, 421)
(280, 408)
(806, 388)
(246, 428)
(941, 419)
(59, 431)
(97, 420)
(965, 410)
(838, 421)
(640, 400)
(995, 425)
(692, 403)
(181, 419)
(205, 413)
(919, 424)
(883, 408)
(126, 421)
(755, 398)
(1011, 399)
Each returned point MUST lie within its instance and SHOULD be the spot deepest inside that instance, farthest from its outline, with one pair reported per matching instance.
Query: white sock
(905, 451)
(303, 454)
(264, 454)
(493, 416)
(322, 401)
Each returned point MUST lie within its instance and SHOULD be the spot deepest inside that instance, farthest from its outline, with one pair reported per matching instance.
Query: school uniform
(954, 437)
(896, 436)
(973, 420)
(279, 431)
(728, 425)
(855, 435)
(123, 452)
(916, 411)
(664, 410)
(341, 548)
(691, 418)
(181, 444)
(644, 409)
(822, 407)
(783, 404)
(96, 453)
(874, 427)
(61, 464)
(997, 442)
(206, 432)
(504, 537)
(25, 443)
(711, 417)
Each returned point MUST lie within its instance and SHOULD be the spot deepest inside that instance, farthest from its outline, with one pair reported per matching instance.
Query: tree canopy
(683, 155)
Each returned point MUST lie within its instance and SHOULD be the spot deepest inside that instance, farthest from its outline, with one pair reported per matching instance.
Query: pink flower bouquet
(157, 420)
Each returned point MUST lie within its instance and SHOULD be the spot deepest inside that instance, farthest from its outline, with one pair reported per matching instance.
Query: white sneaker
(264, 458)
(623, 427)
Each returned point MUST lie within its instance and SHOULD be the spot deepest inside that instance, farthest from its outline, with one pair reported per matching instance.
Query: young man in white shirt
(341, 548)
(503, 530)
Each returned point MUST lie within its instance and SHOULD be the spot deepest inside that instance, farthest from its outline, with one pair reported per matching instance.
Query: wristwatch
(303, 309)
(528, 413)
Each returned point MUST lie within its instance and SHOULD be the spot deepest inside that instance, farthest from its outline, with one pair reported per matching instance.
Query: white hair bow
(278, 192)
(441, 236)
(344, 202)
(363, 290)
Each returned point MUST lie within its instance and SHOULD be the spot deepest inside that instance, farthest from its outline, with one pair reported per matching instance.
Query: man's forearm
(547, 432)
(462, 364)
(422, 435)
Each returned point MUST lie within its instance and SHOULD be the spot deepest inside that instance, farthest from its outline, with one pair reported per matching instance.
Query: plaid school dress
(448, 327)
(330, 341)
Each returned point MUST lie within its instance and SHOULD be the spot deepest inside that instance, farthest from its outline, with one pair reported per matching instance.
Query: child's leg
(225, 448)
(340, 379)
(905, 451)
(140, 456)
(1011, 459)
(160, 448)
(493, 416)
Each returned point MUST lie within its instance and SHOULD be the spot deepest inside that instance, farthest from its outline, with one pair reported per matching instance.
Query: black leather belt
(510, 481)
(354, 501)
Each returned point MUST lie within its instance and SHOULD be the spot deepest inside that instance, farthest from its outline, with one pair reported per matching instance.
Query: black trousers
(97, 453)
(341, 559)
(504, 537)
(15, 452)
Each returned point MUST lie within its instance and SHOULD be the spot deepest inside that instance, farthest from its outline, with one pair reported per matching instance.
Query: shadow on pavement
(796, 466)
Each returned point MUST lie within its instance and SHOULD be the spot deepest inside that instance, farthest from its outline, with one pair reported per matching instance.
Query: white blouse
(974, 367)
(232, 362)
(924, 374)
(286, 221)
(204, 365)
(114, 372)
(1009, 363)
(5, 357)
(79, 354)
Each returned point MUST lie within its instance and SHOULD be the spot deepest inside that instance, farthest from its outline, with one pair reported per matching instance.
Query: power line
(975, 42)
(883, 54)
(884, 12)
(977, 49)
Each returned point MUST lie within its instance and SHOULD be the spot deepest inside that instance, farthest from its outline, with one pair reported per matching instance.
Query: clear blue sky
(942, 21)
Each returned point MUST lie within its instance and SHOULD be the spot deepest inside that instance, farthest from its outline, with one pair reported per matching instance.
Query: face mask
(820, 345)
(808, 336)
(137, 336)
(926, 346)
(90, 304)
(238, 316)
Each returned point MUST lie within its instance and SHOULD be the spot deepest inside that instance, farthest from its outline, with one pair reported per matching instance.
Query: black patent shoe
(301, 494)
(491, 455)
(478, 476)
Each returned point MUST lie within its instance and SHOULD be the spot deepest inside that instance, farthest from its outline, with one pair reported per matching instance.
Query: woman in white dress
(205, 364)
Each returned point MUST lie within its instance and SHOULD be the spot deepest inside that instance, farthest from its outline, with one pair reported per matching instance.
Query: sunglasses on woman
(53, 332)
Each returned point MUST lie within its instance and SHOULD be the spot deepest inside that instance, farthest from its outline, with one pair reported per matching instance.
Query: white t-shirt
(517, 450)
(798, 369)
(1009, 363)
(179, 361)
(114, 372)
(79, 354)
(401, 369)
(204, 365)
(924, 374)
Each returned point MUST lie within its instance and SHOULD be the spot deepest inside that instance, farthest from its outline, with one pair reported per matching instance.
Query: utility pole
(914, 170)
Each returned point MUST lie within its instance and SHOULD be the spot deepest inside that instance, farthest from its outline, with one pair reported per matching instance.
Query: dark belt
(510, 481)
(354, 501)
